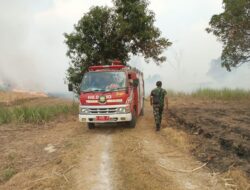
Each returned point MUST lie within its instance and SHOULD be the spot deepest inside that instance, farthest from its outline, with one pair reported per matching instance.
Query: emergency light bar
(116, 65)
(104, 67)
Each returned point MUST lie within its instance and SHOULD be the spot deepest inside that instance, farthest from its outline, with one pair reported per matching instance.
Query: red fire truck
(111, 93)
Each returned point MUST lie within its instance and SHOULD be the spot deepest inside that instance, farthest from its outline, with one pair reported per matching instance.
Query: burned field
(200, 142)
(221, 130)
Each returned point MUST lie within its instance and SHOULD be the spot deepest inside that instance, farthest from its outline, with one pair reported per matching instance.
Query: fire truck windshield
(103, 81)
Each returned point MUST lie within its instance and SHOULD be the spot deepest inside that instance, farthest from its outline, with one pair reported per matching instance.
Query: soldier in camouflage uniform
(157, 98)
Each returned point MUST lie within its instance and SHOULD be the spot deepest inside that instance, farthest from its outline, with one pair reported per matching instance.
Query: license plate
(102, 118)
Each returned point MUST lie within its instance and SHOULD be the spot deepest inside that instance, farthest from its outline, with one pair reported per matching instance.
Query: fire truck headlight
(122, 110)
(127, 108)
(83, 110)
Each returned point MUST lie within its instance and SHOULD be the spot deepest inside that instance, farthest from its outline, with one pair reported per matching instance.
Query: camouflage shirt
(159, 92)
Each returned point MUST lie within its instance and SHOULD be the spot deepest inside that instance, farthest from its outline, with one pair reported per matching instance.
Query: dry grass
(44, 170)
(58, 174)
(235, 180)
(136, 170)
(10, 97)
(178, 138)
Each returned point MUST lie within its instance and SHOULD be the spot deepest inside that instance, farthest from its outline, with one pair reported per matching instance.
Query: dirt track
(66, 155)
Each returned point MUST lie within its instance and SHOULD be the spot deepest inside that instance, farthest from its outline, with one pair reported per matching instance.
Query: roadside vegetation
(214, 94)
(37, 115)
(6, 174)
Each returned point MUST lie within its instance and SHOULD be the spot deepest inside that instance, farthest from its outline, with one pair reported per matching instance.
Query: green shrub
(7, 174)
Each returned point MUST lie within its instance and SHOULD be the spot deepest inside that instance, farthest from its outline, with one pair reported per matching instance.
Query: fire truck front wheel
(91, 125)
(142, 111)
(132, 123)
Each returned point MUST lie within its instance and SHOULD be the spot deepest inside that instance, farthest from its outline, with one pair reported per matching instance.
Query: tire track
(94, 172)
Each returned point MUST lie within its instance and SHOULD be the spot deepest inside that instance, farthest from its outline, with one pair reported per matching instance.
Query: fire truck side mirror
(70, 87)
(135, 82)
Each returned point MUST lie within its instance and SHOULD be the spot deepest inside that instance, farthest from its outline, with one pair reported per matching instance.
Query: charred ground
(221, 127)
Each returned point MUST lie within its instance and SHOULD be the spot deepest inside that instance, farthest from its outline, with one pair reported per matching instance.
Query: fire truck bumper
(105, 118)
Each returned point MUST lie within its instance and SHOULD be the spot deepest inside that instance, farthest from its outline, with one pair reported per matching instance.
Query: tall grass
(222, 94)
(39, 114)
(5, 116)
(214, 94)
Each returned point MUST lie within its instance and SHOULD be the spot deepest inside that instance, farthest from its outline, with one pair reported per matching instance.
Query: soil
(64, 154)
(223, 130)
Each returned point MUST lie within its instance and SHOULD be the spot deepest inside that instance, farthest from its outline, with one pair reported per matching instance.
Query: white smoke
(237, 78)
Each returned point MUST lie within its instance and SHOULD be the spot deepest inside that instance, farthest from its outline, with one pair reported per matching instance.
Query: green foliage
(7, 174)
(36, 115)
(232, 27)
(104, 34)
(137, 30)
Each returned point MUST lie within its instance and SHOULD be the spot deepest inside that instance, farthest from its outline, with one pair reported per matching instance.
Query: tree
(232, 27)
(104, 34)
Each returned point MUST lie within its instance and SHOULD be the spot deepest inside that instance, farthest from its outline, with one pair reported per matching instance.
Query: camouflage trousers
(157, 110)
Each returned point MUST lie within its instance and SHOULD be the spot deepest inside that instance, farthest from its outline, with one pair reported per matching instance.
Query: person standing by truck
(157, 100)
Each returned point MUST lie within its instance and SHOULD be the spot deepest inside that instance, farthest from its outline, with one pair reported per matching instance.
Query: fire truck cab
(111, 93)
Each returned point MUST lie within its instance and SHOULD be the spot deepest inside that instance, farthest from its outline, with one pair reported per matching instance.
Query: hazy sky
(32, 49)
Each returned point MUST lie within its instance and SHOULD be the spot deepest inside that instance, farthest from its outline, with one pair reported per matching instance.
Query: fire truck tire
(91, 125)
(132, 123)
(142, 111)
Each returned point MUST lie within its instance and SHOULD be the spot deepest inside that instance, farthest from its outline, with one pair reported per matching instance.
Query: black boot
(157, 127)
